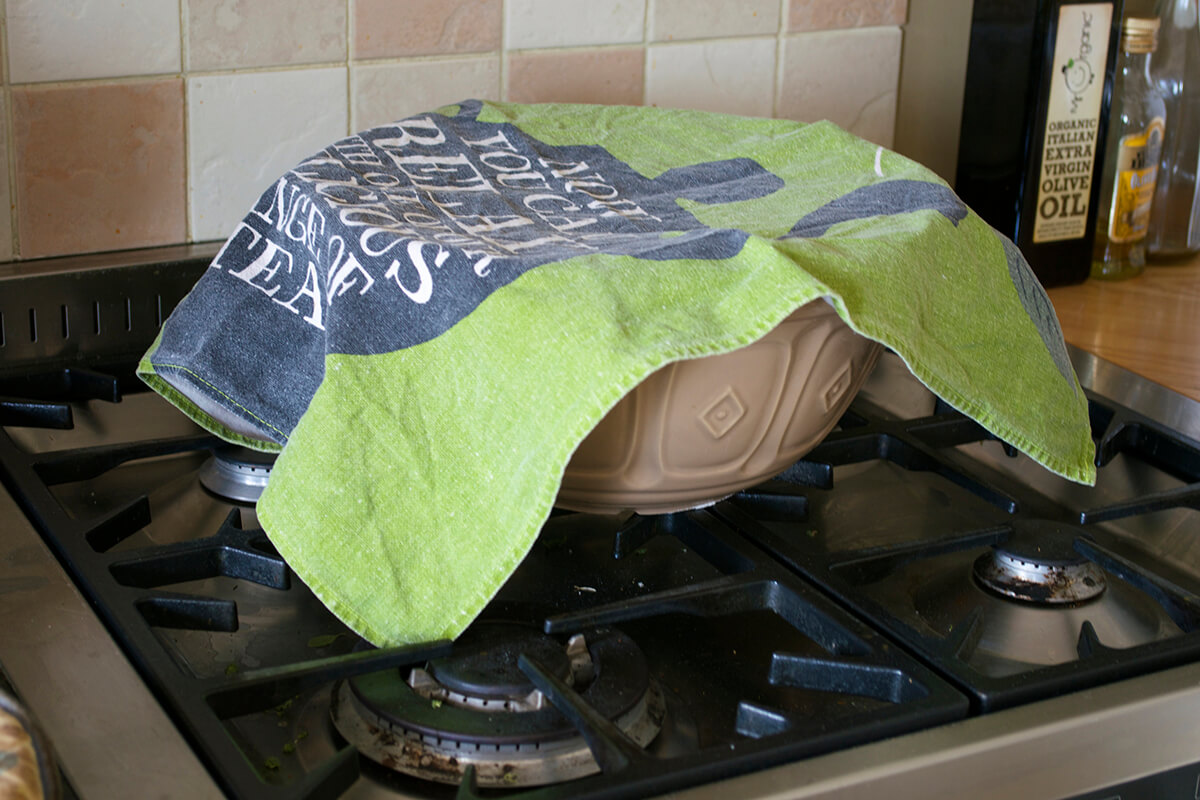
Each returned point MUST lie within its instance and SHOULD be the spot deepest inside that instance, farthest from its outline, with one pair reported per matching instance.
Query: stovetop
(847, 626)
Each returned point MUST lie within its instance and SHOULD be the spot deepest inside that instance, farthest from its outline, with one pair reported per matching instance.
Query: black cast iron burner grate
(783, 672)
(765, 669)
(920, 585)
(123, 586)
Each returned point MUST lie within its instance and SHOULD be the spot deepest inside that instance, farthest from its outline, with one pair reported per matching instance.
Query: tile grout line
(399, 60)
(622, 45)
(10, 132)
(350, 121)
(780, 50)
(647, 15)
(203, 73)
(502, 72)
(187, 121)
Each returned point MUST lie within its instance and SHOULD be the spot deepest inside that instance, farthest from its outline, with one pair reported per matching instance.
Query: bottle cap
(1139, 34)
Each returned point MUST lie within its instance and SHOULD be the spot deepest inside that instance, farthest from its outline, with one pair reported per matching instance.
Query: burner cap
(237, 473)
(476, 708)
(1039, 564)
(487, 666)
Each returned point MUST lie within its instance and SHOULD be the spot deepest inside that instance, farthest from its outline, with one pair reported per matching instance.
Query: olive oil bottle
(1035, 117)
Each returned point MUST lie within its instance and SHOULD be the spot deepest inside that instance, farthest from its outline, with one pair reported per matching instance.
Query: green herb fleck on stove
(324, 640)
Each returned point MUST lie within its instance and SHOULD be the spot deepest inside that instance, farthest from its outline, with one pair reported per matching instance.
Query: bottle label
(1136, 174)
(1072, 121)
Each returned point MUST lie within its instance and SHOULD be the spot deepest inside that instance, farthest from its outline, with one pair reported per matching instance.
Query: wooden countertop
(1149, 324)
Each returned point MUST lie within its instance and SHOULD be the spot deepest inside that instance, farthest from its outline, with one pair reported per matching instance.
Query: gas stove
(912, 610)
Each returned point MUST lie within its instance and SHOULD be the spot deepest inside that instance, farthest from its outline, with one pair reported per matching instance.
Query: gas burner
(237, 473)
(477, 708)
(1039, 564)
(1031, 598)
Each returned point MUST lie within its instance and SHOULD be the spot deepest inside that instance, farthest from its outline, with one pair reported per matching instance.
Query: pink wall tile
(819, 15)
(99, 167)
(394, 28)
(611, 77)
(227, 34)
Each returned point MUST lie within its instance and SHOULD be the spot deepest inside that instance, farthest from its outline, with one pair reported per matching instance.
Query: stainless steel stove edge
(91, 311)
(1169, 408)
(15, 271)
(110, 735)
(1055, 749)
(115, 740)
(113, 730)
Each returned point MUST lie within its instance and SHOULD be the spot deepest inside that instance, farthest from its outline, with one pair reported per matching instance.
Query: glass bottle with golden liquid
(1131, 157)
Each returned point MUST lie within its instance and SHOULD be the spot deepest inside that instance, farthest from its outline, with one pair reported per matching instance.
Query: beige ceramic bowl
(697, 431)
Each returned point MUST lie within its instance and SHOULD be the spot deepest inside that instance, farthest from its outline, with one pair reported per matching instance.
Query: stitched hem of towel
(148, 372)
(982, 413)
(550, 129)
(539, 505)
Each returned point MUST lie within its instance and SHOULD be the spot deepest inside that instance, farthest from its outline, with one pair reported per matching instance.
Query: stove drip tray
(1039, 564)
(476, 707)
(237, 473)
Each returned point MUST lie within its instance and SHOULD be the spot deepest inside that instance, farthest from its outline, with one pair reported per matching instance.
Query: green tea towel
(429, 316)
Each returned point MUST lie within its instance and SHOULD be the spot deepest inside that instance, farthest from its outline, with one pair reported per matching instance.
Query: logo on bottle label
(1072, 122)
(1137, 174)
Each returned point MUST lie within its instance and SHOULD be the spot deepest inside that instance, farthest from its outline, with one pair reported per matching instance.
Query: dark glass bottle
(1035, 115)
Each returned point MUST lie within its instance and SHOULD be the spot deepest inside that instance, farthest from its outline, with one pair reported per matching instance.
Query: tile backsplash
(134, 123)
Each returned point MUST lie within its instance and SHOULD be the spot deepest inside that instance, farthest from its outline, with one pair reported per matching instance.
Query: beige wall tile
(227, 34)
(849, 77)
(100, 167)
(384, 93)
(67, 39)
(703, 19)
(608, 76)
(819, 15)
(245, 130)
(569, 23)
(735, 76)
(397, 28)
